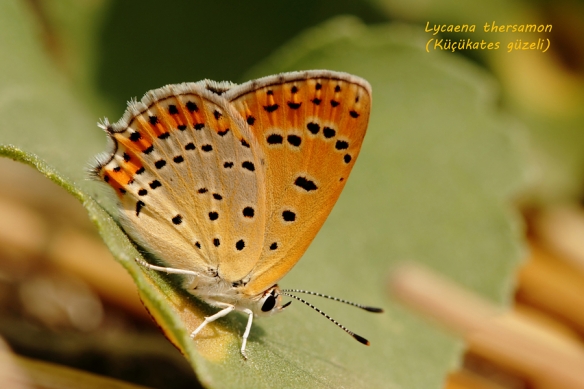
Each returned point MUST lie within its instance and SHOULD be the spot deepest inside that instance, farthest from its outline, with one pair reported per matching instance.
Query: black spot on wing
(328, 132)
(274, 139)
(288, 216)
(248, 165)
(248, 212)
(305, 183)
(341, 145)
(314, 128)
(139, 205)
(192, 107)
(271, 108)
(172, 109)
(294, 140)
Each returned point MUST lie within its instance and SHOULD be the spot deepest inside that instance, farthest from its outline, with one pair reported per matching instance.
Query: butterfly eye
(269, 303)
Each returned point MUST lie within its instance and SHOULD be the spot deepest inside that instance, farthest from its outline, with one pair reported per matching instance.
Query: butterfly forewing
(190, 187)
(310, 127)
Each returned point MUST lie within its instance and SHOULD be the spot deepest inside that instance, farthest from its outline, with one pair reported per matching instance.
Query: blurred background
(65, 300)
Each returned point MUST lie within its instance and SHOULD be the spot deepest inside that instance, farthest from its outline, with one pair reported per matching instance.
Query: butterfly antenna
(365, 307)
(348, 331)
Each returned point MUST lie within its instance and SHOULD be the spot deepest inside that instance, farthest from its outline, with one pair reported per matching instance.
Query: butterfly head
(270, 302)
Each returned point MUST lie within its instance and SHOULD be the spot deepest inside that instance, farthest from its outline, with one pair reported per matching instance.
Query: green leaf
(436, 171)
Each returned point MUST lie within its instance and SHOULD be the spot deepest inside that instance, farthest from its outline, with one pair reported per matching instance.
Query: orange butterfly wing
(310, 126)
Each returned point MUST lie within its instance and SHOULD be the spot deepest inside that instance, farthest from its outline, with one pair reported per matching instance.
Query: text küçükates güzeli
(519, 44)
(468, 44)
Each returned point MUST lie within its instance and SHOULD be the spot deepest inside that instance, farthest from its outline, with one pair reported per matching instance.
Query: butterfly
(228, 184)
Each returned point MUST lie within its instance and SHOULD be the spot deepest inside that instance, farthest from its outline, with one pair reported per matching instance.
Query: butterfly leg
(190, 283)
(165, 269)
(228, 308)
(247, 330)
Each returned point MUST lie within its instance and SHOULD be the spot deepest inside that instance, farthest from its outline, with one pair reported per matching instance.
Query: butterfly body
(228, 184)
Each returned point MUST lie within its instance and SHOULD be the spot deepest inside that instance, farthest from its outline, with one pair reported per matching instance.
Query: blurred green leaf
(432, 184)
(71, 31)
(151, 45)
(21, 373)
